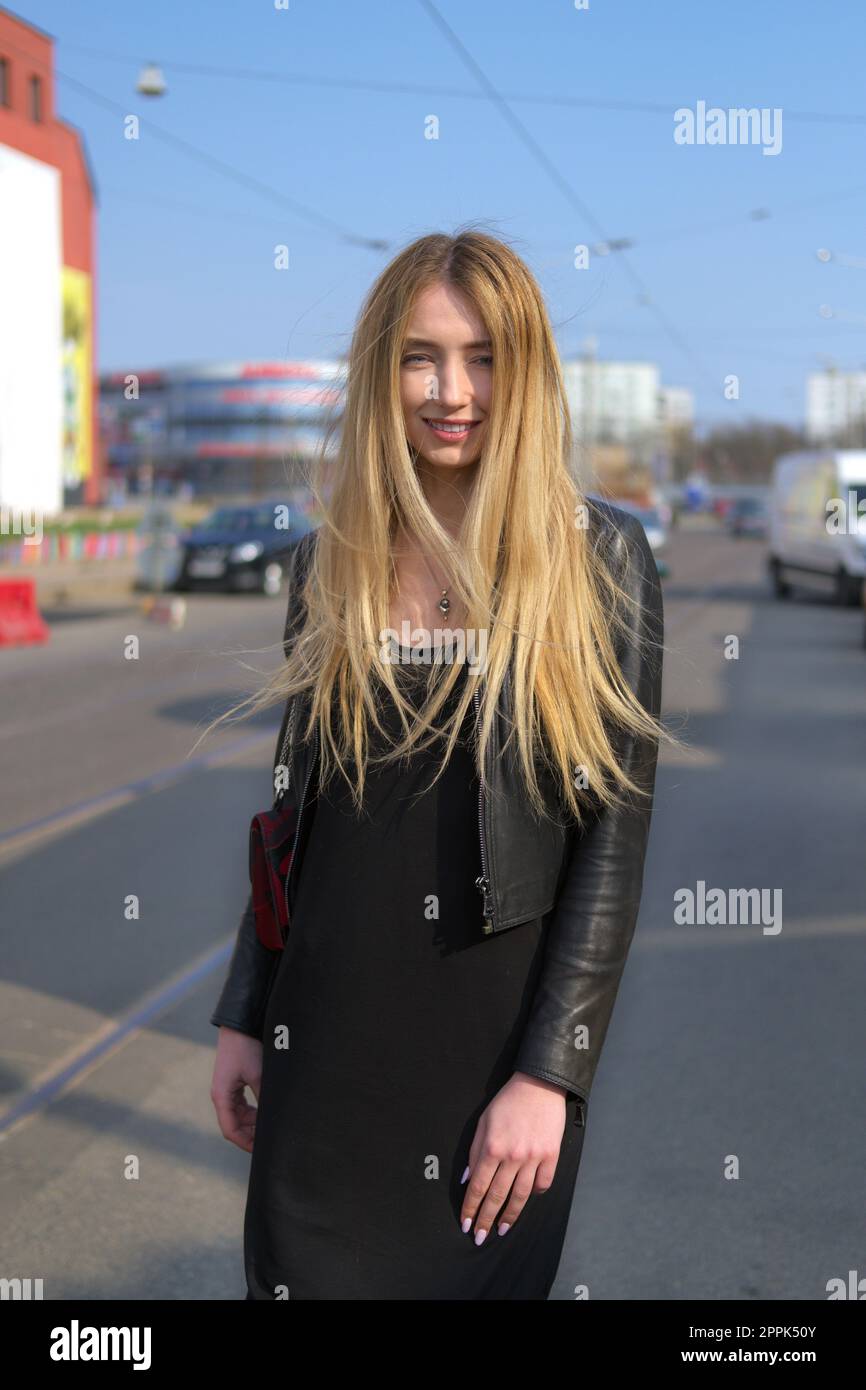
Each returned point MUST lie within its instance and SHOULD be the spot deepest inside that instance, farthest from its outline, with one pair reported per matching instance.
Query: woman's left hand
(515, 1151)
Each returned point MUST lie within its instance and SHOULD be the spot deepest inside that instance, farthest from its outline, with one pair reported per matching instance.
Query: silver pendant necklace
(444, 604)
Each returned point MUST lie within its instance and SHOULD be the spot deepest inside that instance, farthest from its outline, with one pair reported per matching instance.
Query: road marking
(130, 791)
(114, 1034)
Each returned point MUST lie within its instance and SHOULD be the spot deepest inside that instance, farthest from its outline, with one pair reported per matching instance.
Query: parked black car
(240, 548)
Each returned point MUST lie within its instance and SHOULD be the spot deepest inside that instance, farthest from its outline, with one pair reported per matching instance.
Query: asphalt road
(731, 1047)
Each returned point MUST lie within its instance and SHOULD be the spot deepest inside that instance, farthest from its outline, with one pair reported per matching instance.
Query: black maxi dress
(403, 1022)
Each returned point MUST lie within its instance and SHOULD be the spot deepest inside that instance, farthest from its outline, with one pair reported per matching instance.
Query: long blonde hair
(524, 564)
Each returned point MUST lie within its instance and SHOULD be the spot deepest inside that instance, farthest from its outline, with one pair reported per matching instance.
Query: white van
(817, 525)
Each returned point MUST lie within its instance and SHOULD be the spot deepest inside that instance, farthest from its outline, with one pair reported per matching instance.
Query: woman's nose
(455, 386)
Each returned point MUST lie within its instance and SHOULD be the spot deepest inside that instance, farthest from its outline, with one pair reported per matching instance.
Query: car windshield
(749, 506)
(239, 519)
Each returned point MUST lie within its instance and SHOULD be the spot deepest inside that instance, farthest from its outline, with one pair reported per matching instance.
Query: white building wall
(612, 401)
(31, 323)
(834, 401)
(677, 405)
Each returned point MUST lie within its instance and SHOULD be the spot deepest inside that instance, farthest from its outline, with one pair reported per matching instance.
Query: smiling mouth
(451, 429)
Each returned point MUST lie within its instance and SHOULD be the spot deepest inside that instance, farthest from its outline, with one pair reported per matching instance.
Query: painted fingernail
(503, 1227)
(467, 1222)
(465, 1175)
(479, 1237)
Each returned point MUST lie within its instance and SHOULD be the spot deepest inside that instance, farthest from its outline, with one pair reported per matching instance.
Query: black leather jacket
(589, 880)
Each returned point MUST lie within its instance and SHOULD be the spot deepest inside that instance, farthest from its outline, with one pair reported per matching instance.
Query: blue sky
(185, 253)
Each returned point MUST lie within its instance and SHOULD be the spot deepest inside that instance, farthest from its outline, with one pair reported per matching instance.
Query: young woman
(473, 811)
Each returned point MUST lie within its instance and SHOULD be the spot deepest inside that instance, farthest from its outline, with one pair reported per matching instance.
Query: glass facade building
(235, 428)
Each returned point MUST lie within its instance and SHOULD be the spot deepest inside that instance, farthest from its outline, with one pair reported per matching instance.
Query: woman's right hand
(238, 1064)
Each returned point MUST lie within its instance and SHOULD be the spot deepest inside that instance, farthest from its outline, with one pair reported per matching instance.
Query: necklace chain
(444, 604)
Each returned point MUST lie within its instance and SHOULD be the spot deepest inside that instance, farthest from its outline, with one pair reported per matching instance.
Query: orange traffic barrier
(20, 620)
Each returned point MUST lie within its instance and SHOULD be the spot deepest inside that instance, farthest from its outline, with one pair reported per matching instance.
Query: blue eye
(487, 359)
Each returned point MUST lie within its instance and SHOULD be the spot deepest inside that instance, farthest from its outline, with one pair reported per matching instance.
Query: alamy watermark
(438, 645)
(846, 517)
(22, 521)
(738, 125)
(18, 1288)
(77, 1343)
(729, 907)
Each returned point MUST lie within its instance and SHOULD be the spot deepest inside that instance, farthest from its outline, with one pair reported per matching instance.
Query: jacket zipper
(482, 883)
(283, 761)
(298, 826)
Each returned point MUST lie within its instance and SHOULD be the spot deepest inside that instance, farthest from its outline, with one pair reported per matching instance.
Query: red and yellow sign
(77, 376)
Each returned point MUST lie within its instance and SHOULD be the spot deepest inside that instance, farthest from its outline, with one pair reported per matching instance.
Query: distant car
(239, 548)
(748, 516)
(652, 521)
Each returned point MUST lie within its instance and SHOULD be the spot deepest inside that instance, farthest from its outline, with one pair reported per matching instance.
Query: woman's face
(446, 378)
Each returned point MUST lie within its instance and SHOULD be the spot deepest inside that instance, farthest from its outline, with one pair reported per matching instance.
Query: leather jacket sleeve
(244, 996)
(596, 909)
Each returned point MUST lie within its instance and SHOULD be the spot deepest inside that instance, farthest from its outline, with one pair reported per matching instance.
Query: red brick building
(48, 390)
